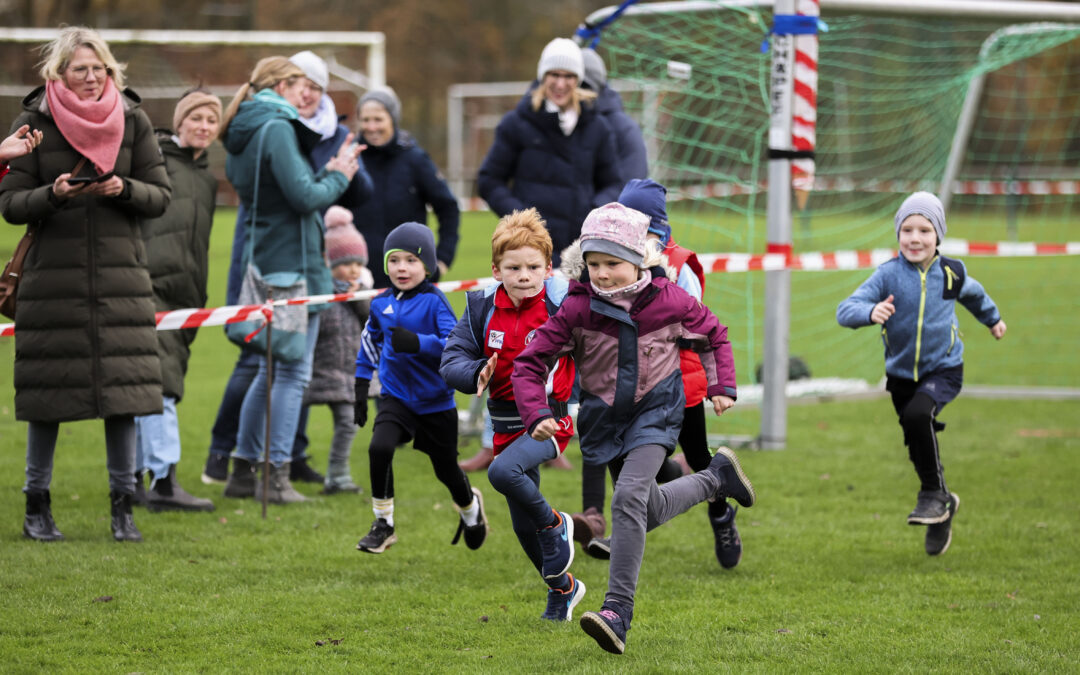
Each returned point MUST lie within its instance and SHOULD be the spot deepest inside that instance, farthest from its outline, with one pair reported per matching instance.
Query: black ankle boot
(123, 525)
(38, 524)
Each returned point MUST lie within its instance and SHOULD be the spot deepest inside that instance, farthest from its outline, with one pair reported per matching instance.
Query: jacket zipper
(91, 267)
(922, 309)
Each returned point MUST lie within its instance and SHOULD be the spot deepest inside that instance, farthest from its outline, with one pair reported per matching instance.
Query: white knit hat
(561, 54)
(314, 68)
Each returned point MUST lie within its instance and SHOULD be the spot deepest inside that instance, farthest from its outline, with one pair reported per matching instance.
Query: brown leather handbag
(9, 281)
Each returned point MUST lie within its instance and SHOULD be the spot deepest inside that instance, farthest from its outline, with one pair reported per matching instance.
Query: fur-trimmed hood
(573, 263)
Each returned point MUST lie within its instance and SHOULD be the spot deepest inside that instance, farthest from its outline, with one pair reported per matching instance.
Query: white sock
(384, 508)
(471, 513)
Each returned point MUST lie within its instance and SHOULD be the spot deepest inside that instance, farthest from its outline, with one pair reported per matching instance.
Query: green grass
(832, 578)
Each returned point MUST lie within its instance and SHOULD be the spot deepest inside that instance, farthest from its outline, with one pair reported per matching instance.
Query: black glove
(404, 340)
(360, 407)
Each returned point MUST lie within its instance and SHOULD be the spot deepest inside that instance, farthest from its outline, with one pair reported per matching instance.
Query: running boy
(621, 325)
(404, 340)
(497, 324)
(913, 297)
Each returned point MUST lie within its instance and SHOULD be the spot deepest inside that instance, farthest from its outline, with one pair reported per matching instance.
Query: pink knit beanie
(617, 230)
(343, 243)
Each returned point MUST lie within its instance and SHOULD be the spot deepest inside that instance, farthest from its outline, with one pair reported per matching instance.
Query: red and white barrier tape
(712, 262)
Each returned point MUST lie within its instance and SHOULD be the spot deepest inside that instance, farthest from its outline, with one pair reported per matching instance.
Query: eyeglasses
(83, 72)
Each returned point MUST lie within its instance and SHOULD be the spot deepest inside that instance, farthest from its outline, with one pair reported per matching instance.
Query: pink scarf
(94, 128)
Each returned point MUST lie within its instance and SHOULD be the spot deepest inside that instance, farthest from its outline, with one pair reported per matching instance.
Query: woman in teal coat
(287, 235)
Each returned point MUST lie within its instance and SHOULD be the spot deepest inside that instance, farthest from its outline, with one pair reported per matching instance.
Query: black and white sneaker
(939, 535)
(379, 538)
(599, 547)
(932, 507)
(474, 534)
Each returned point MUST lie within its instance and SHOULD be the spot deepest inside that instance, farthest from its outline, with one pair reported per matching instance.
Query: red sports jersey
(507, 333)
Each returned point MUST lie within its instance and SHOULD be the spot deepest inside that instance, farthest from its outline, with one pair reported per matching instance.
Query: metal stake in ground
(269, 386)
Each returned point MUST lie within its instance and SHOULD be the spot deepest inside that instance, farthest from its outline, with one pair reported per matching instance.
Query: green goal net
(890, 95)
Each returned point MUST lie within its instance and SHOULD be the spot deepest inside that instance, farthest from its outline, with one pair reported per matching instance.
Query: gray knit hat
(595, 70)
(385, 97)
(561, 54)
(314, 68)
(926, 205)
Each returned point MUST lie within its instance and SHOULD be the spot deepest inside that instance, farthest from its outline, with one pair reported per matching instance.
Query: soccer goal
(976, 101)
(162, 64)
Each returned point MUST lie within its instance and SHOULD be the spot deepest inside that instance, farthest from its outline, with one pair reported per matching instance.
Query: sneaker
(333, 487)
(733, 482)
(561, 604)
(556, 544)
(303, 472)
(725, 534)
(599, 547)
(932, 507)
(588, 525)
(216, 469)
(474, 534)
(607, 627)
(379, 538)
(939, 535)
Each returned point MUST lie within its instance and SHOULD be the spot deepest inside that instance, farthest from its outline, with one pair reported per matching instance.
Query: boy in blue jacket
(404, 339)
(913, 298)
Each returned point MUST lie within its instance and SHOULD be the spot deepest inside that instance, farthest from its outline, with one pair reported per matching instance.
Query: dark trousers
(917, 405)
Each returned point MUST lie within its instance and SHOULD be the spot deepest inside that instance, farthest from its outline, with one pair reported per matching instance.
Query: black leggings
(917, 418)
(386, 437)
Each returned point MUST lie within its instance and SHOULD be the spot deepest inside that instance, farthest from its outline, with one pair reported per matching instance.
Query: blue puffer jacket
(922, 336)
(413, 379)
(406, 181)
(629, 143)
(531, 163)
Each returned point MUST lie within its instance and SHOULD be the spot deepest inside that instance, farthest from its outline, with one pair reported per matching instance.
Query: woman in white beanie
(553, 152)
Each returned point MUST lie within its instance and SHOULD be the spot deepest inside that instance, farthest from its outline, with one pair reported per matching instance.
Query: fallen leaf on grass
(953, 605)
(484, 619)
(783, 630)
(74, 498)
(503, 607)
(239, 512)
(1012, 596)
(1037, 617)
(825, 476)
(103, 598)
(223, 520)
(1041, 526)
(329, 641)
(194, 562)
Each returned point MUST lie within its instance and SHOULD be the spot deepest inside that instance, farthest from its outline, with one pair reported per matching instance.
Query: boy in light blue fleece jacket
(913, 297)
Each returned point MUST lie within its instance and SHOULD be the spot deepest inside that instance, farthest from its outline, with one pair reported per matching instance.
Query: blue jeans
(286, 398)
(227, 423)
(514, 472)
(157, 440)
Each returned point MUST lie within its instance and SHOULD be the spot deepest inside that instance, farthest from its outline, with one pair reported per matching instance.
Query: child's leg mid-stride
(545, 535)
(386, 435)
(639, 505)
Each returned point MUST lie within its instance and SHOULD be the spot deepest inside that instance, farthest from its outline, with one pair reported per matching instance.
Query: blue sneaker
(561, 604)
(607, 627)
(557, 546)
(733, 482)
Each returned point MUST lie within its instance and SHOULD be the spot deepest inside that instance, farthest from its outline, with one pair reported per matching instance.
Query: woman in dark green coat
(177, 244)
(85, 344)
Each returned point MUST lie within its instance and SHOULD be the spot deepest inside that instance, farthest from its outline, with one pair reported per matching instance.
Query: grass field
(832, 578)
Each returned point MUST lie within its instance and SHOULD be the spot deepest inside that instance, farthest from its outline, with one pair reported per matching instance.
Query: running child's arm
(462, 359)
(367, 359)
(701, 325)
(869, 304)
(978, 302)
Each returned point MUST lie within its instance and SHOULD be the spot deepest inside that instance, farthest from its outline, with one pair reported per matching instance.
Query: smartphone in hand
(86, 180)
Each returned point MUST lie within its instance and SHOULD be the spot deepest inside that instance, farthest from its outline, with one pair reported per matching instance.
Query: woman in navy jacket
(553, 151)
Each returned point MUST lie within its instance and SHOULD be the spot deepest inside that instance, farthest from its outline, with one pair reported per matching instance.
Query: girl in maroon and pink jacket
(623, 325)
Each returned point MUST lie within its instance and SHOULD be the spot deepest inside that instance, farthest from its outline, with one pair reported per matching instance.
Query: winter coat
(85, 344)
(177, 244)
(531, 163)
(923, 335)
(288, 231)
(412, 378)
(340, 330)
(629, 143)
(358, 192)
(627, 363)
(406, 181)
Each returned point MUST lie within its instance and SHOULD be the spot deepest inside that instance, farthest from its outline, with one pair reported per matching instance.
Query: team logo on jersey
(389, 309)
(530, 336)
(495, 339)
